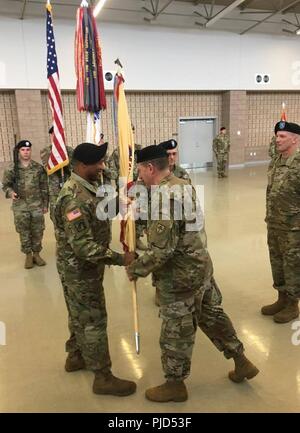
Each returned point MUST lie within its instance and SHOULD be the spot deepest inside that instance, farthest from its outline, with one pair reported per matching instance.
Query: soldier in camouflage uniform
(171, 147)
(82, 253)
(55, 179)
(221, 148)
(26, 183)
(189, 295)
(273, 152)
(283, 223)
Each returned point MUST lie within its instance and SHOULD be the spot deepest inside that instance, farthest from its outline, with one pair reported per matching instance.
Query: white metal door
(195, 142)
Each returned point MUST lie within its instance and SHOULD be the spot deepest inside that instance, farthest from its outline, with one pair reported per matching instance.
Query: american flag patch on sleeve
(74, 214)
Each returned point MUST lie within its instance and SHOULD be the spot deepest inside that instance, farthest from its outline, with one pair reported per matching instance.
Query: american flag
(59, 156)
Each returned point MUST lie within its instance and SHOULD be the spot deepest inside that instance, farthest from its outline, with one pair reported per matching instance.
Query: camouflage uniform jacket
(283, 193)
(32, 186)
(181, 173)
(82, 239)
(178, 258)
(221, 144)
(113, 166)
(54, 179)
(273, 152)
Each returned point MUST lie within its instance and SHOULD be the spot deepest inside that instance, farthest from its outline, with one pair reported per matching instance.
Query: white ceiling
(238, 16)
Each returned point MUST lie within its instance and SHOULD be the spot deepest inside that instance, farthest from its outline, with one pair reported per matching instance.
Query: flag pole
(125, 139)
(136, 319)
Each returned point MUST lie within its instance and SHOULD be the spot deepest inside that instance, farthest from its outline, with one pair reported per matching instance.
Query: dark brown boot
(169, 391)
(107, 383)
(288, 313)
(270, 310)
(244, 369)
(74, 362)
(37, 259)
(28, 261)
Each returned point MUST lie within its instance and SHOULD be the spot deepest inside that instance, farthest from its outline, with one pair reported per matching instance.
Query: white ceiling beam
(224, 12)
(283, 10)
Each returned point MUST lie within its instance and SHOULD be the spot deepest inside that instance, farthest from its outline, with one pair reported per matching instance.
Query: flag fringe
(57, 167)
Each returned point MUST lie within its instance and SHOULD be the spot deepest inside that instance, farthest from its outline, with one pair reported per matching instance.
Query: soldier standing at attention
(221, 148)
(25, 183)
(283, 223)
(171, 148)
(82, 247)
(55, 179)
(189, 295)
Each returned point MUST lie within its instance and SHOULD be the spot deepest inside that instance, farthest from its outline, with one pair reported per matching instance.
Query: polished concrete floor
(32, 376)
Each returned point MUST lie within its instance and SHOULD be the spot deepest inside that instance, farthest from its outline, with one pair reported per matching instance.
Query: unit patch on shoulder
(74, 214)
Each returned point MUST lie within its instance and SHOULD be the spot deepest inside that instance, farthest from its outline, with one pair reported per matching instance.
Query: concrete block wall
(249, 117)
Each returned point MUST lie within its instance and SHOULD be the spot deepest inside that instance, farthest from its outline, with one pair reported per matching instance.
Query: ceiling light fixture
(98, 7)
(298, 32)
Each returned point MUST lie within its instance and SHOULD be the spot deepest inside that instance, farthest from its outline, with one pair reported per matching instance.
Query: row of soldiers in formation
(177, 258)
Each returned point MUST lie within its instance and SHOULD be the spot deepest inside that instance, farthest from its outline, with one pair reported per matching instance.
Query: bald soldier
(25, 182)
(171, 148)
(189, 296)
(82, 253)
(283, 223)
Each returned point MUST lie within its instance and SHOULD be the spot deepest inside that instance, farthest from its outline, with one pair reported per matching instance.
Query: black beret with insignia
(169, 144)
(51, 130)
(23, 143)
(149, 153)
(287, 126)
(89, 153)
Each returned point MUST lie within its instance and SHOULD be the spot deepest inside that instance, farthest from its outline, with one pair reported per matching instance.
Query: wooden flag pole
(132, 237)
(136, 318)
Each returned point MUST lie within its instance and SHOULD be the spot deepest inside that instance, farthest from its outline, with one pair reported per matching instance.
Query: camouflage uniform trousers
(284, 251)
(86, 302)
(222, 159)
(52, 201)
(180, 321)
(30, 224)
(71, 344)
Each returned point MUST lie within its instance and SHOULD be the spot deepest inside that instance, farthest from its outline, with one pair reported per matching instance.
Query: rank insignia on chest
(74, 214)
(160, 229)
(80, 225)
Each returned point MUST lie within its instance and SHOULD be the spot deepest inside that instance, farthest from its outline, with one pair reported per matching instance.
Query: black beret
(169, 144)
(89, 153)
(23, 143)
(51, 130)
(287, 126)
(150, 152)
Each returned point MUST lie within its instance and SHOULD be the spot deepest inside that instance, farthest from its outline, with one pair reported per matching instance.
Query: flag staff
(126, 143)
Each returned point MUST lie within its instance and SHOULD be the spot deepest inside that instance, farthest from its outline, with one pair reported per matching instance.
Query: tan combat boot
(244, 369)
(270, 310)
(74, 362)
(28, 261)
(38, 260)
(288, 313)
(107, 383)
(174, 390)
